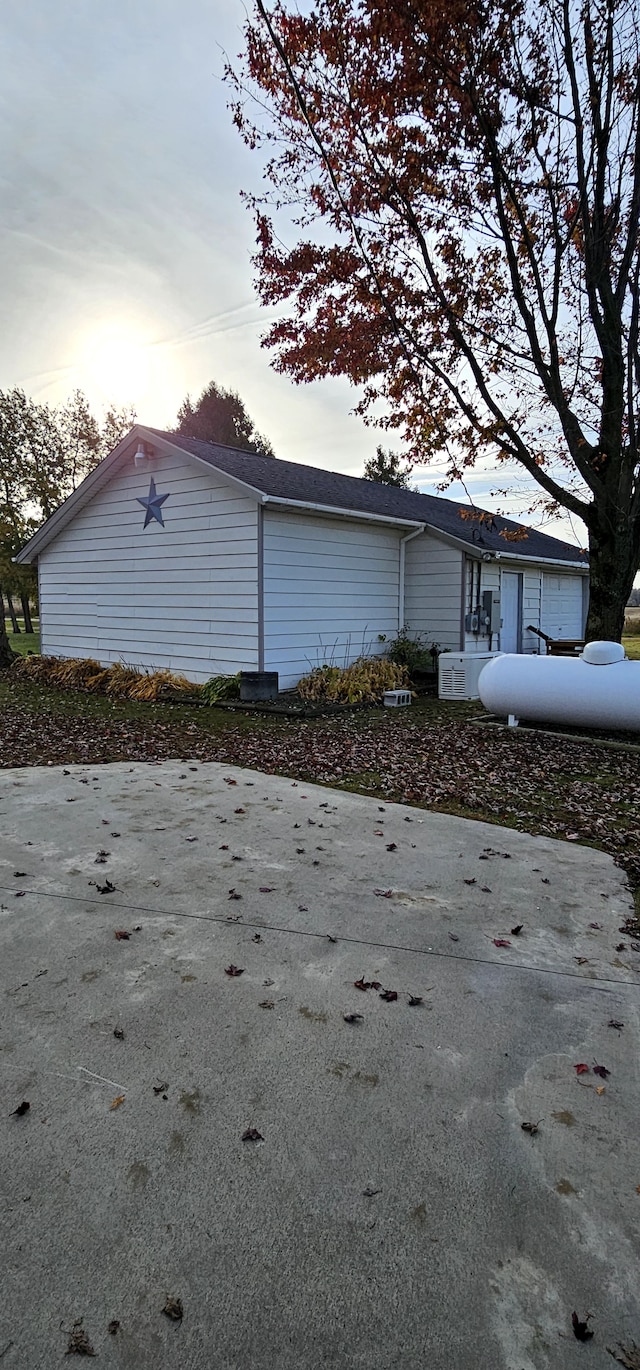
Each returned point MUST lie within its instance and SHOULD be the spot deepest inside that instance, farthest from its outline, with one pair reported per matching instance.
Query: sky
(124, 245)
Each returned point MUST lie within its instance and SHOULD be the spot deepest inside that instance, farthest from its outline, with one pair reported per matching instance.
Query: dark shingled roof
(289, 480)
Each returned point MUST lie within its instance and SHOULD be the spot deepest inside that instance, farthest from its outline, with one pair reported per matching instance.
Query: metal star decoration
(153, 504)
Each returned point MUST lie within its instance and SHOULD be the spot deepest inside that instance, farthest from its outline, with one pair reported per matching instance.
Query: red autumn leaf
(501, 942)
(239, 810)
(228, 781)
(121, 935)
(362, 983)
(267, 889)
(233, 970)
(601, 1071)
(581, 1068)
(376, 984)
(389, 996)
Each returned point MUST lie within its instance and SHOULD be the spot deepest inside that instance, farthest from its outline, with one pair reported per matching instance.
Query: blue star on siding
(153, 505)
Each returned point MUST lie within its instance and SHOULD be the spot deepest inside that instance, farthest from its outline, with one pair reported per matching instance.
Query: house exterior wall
(433, 591)
(331, 587)
(182, 597)
(552, 601)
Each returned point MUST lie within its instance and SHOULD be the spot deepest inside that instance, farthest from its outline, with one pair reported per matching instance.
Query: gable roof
(271, 480)
(289, 480)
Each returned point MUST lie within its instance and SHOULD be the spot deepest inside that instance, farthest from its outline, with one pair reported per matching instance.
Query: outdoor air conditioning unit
(458, 673)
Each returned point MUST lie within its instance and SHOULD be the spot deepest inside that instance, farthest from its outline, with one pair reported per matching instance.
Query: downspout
(403, 542)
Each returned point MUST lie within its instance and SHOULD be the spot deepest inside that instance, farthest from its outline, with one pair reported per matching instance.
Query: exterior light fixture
(140, 458)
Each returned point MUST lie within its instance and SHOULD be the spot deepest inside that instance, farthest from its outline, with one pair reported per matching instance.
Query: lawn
(434, 755)
(23, 642)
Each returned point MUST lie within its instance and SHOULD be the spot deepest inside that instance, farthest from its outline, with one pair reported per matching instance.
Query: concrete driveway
(393, 1211)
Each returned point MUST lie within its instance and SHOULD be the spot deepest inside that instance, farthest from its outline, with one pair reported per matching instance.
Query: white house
(208, 560)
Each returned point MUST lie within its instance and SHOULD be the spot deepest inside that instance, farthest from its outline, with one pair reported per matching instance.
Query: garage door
(562, 606)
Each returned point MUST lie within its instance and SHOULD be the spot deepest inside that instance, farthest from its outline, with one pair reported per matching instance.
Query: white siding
(183, 597)
(330, 588)
(433, 591)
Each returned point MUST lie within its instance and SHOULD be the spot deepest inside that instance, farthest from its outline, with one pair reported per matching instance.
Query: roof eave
(336, 511)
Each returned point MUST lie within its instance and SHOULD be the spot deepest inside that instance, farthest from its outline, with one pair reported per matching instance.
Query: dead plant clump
(117, 681)
(363, 682)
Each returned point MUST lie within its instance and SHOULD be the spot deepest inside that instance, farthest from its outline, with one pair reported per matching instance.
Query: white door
(562, 606)
(511, 611)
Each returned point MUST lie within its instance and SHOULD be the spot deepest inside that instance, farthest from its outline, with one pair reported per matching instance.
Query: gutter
(545, 561)
(403, 543)
(331, 509)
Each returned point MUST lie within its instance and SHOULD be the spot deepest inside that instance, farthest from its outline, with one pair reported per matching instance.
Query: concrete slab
(395, 1212)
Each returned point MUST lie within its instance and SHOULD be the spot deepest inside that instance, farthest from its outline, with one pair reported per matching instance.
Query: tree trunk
(614, 554)
(6, 654)
(26, 611)
(15, 626)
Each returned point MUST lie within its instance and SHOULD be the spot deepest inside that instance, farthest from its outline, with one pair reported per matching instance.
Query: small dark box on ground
(256, 685)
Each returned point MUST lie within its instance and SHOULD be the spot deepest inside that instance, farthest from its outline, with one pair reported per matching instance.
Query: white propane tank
(598, 689)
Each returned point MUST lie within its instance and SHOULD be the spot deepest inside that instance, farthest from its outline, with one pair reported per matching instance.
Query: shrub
(364, 682)
(411, 652)
(632, 626)
(221, 687)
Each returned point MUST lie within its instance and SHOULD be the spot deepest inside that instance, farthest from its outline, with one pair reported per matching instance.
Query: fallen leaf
(233, 894)
(581, 1330)
(117, 1032)
(224, 847)
(384, 894)
(601, 1071)
(352, 1017)
(415, 1000)
(101, 857)
(597, 926)
(256, 937)
(228, 780)
(173, 1309)
(531, 1128)
(22, 1108)
(515, 932)
(18, 875)
(501, 942)
(121, 935)
(621, 946)
(389, 995)
(613, 1023)
(454, 937)
(629, 1356)
(392, 846)
(471, 882)
(252, 1135)
(581, 1068)
(544, 880)
(581, 960)
(599, 1089)
(303, 908)
(266, 1003)
(362, 983)
(114, 1326)
(239, 810)
(378, 832)
(485, 889)
(19, 894)
(115, 1103)
(107, 888)
(369, 1193)
(267, 889)
(79, 1344)
(233, 970)
(160, 1089)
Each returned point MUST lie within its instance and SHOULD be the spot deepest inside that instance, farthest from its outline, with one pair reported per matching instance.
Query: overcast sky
(125, 250)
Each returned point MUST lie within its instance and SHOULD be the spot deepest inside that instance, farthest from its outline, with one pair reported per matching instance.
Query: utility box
(459, 672)
(257, 685)
(491, 611)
